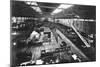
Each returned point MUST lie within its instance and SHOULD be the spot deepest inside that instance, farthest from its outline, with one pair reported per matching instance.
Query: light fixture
(57, 11)
(28, 2)
(14, 33)
(37, 9)
(14, 19)
(64, 6)
(61, 8)
(14, 43)
(34, 3)
(31, 3)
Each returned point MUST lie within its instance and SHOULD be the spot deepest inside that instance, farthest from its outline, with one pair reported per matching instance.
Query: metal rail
(74, 48)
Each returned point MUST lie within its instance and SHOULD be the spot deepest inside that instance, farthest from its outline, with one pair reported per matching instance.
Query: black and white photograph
(46, 33)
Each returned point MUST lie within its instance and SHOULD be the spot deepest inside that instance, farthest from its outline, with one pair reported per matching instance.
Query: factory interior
(65, 33)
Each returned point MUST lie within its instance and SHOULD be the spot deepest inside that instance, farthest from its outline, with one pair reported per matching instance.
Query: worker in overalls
(36, 45)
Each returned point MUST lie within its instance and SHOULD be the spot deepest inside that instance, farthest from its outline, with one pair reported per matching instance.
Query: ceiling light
(61, 8)
(37, 9)
(64, 6)
(34, 7)
(57, 11)
(14, 43)
(14, 33)
(31, 3)
(28, 2)
(34, 3)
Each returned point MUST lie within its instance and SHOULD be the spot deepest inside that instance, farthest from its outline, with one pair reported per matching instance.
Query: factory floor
(59, 33)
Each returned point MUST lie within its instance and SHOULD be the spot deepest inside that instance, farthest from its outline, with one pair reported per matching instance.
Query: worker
(36, 45)
(34, 36)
